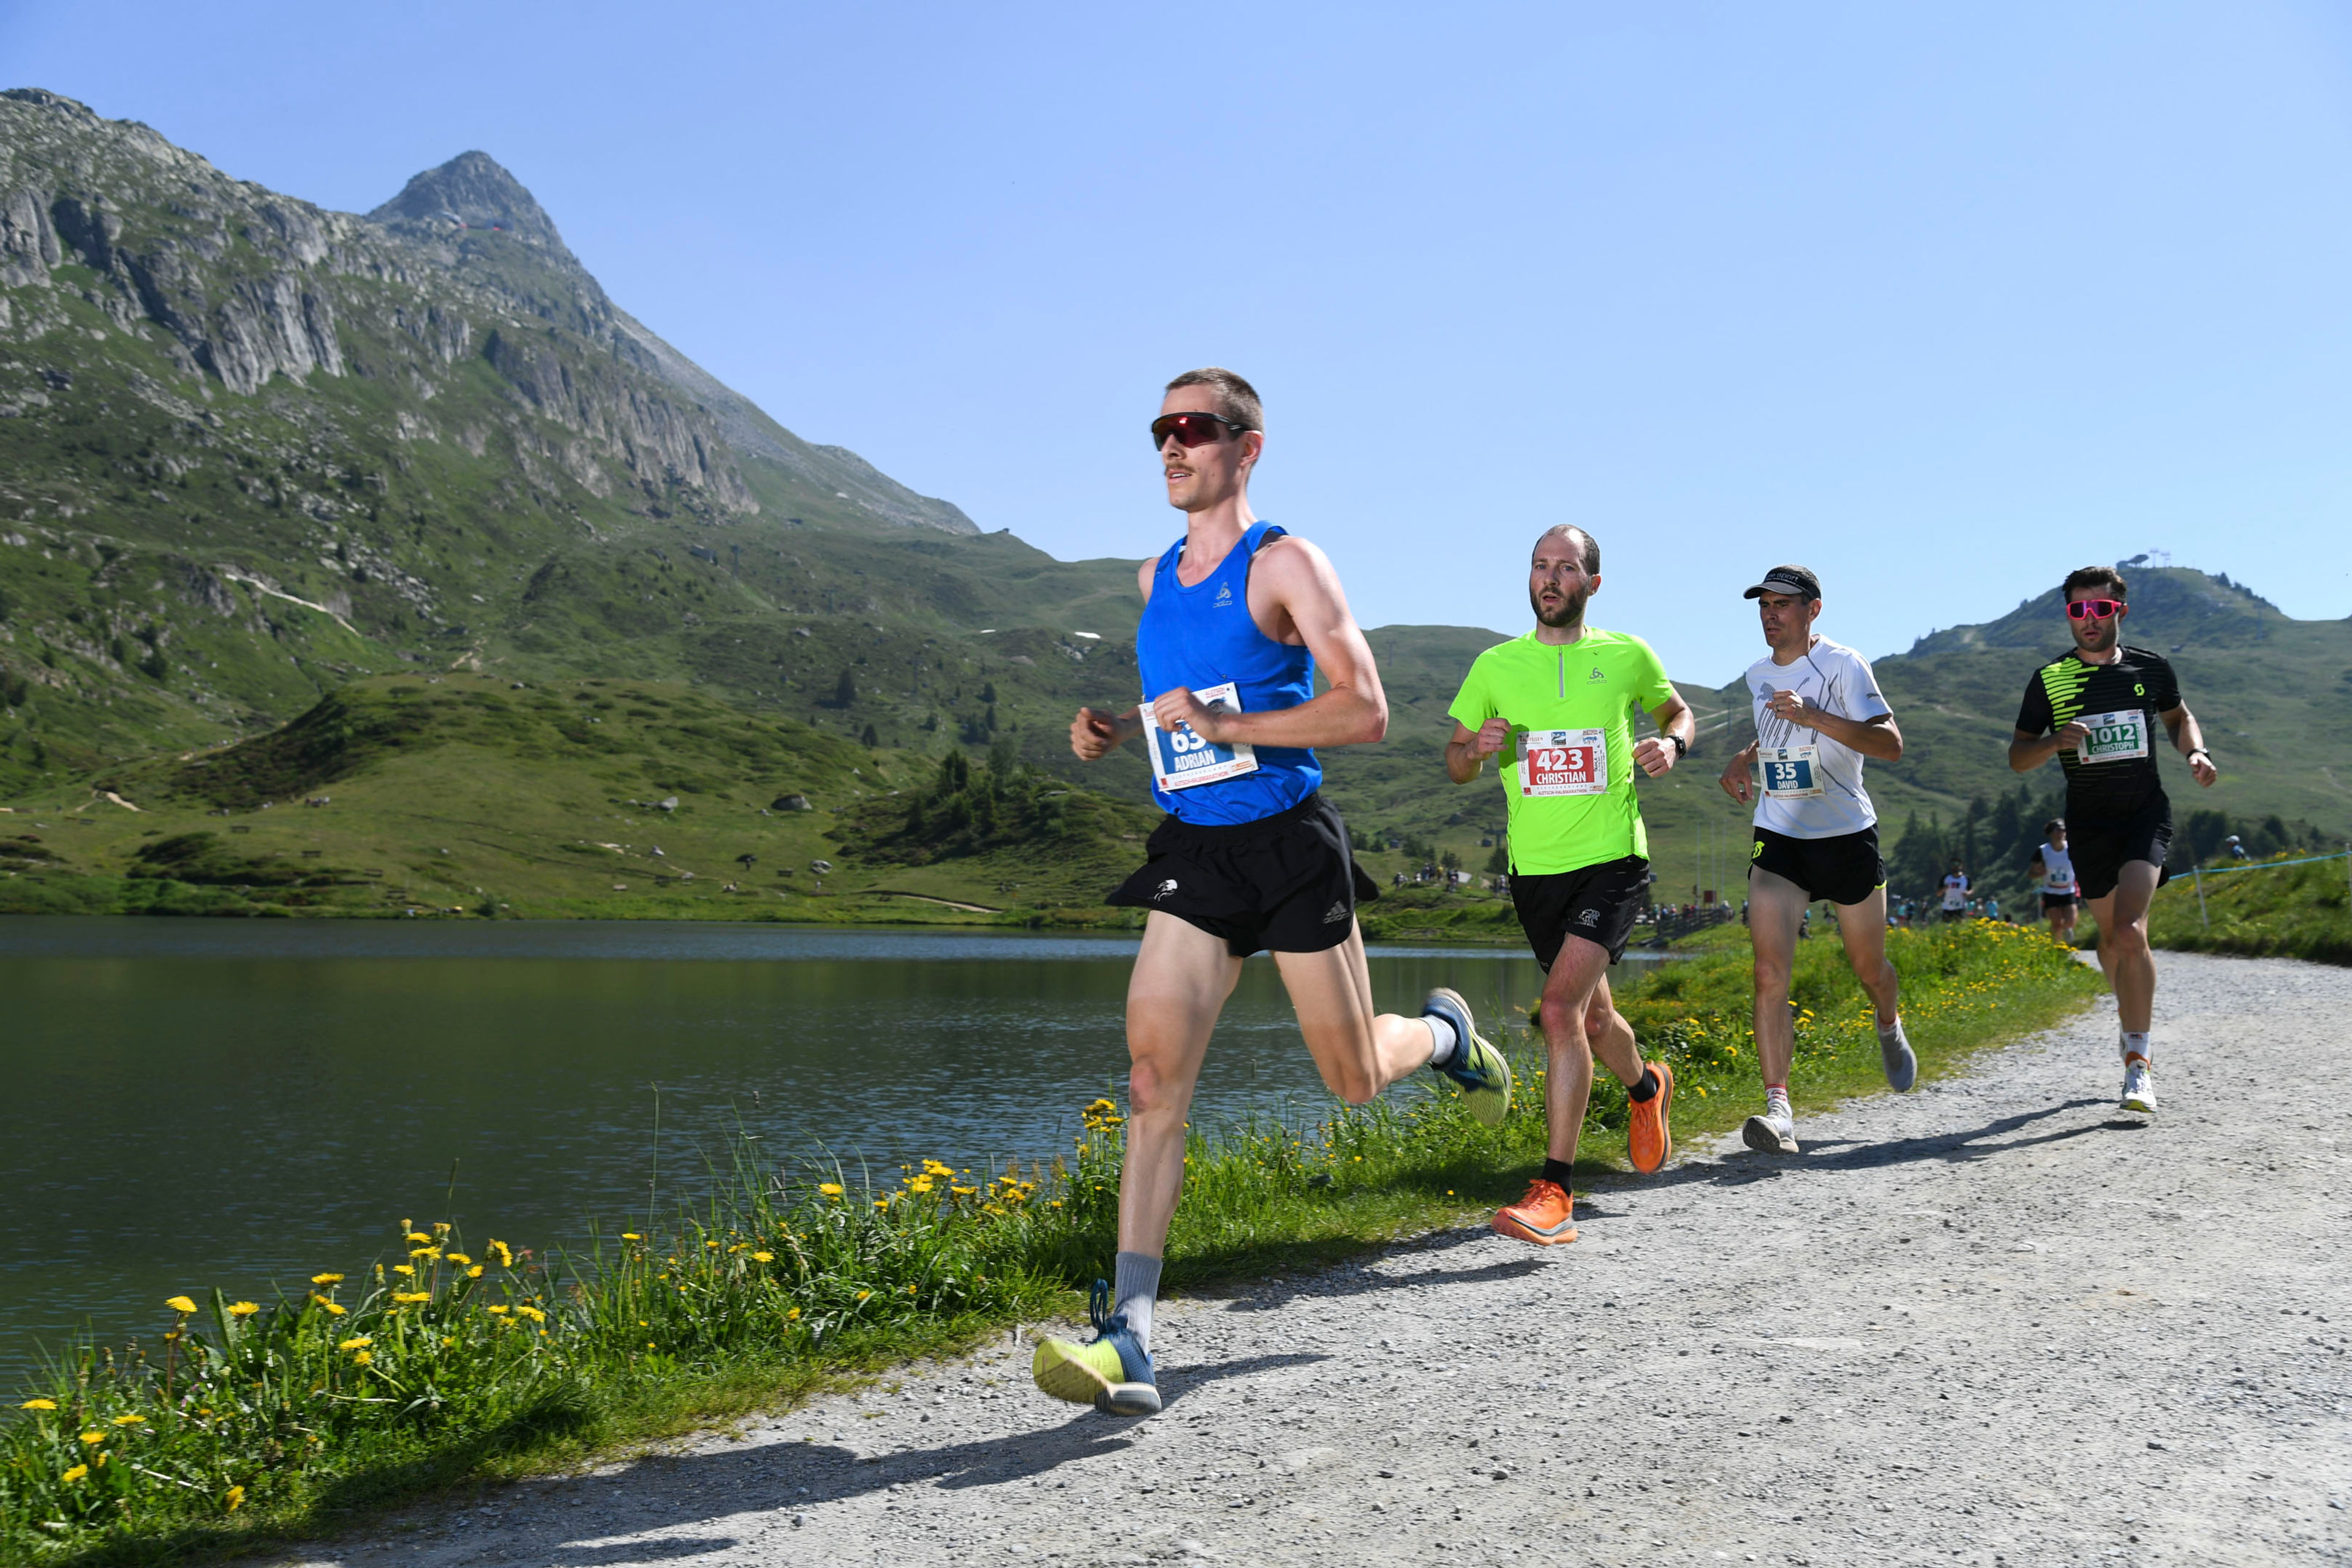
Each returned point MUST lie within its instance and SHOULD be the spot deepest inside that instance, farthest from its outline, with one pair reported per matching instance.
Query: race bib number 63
(1563, 762)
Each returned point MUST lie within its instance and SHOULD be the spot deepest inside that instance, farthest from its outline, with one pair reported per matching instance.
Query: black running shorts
(2056, 902)
(1598, 903)
(1844, 869)
(2099, 847)
(1286, 883)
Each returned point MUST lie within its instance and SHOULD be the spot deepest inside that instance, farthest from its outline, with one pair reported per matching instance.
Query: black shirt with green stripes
(2114, 772)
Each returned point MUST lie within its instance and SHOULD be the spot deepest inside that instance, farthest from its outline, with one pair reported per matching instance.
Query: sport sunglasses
(2092, 609)
(1191, 429)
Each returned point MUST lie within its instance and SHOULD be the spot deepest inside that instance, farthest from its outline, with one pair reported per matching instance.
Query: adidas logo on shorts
(1335, 913)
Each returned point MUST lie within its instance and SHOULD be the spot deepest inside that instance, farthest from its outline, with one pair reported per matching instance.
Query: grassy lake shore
(453, 1363)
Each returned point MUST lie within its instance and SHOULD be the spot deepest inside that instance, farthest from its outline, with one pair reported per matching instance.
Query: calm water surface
(245, 1103)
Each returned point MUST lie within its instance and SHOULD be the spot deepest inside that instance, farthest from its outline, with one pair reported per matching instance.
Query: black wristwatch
(1682, 747)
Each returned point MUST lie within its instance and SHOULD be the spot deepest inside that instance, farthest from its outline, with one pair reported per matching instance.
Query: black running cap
(1798, 579)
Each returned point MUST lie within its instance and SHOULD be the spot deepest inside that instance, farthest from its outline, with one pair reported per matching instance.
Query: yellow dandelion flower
(863, 1294)
(93, 1436)
(130, 1421)
(234, 1499)
(631, 1235)
(457, 1257)
(503, 1253)
(495, 1310)
(424, 1252)
(242, 1309)
(39, 1404)
(533, 1313)
(325, 1279)
(764, 1257)
(181, 1304)
(404, 1269)
(363, 1358)
(793, 1315)
(410, 1297)
(418, 1237)
(332, 1311)
(359, 1342)
(830, 1189)
(475, 1272)
(76, 1473)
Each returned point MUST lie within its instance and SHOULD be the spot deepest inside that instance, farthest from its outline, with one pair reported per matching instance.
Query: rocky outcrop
(472, 192)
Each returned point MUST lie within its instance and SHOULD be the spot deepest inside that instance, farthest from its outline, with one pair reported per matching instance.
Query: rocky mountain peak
(472, 190)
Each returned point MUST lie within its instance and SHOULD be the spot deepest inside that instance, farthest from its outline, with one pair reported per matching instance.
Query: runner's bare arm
(1466, 754)
(1672, 717)
(1737, 781)
(1295, 597)
(2189, 739)
(2027, 752)
(1876, 739)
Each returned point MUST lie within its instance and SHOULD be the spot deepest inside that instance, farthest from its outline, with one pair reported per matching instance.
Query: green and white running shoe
(1109, 1371)
(1477, 1067)
(2139, 1089)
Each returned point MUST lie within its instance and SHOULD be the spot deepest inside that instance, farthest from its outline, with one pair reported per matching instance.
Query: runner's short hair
(1591, 545)
(1236, 398)
(2053, 824)
(2105, 577)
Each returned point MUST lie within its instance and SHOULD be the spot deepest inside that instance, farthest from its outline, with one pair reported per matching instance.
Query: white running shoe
(1894, 1055)
(1774, 1133)
(2139, 1091)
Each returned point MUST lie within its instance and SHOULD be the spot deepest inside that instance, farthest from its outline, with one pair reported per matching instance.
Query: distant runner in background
(1956, 892)
(2089, 708)
(1236, 615)
(2054, 869)
(1562, 700)
(1818, 715)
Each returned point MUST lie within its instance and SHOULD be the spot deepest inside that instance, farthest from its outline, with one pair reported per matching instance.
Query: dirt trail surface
(1991, 1321)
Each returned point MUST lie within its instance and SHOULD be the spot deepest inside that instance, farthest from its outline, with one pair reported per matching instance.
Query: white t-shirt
(1812, 784)
(2057, 870)
(1955, 891)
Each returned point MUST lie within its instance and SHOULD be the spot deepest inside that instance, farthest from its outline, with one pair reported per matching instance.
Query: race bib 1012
(1563, 762)
(2114, 736)
(1183, 760)
(1790, 773)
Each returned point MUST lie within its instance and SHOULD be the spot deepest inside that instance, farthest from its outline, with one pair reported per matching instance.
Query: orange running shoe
(1648, 1140)
(1544, 1217)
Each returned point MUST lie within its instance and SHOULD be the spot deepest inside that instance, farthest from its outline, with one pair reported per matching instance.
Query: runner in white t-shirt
(1818, 714)
(2054, 869)
(1956, 892)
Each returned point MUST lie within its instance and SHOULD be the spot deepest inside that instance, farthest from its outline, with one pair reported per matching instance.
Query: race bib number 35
(1183, 760)
(2114, 736)
(1563, 762)
(1792, 773)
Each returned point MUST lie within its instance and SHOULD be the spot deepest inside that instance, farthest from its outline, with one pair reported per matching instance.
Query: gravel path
(1992, 1322)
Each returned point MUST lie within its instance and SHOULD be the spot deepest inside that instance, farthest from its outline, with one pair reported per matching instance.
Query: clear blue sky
(1940, 301)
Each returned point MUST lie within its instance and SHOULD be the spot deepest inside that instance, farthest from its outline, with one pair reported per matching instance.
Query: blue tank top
(1203, 635)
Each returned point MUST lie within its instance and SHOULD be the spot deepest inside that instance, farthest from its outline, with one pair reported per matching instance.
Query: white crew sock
(1443, 1040)
(1135, 1287)
(1776, 1098)
(2137, 1045)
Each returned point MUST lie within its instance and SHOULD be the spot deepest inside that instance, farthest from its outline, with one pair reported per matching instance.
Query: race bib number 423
(2114, 736)
(1183, 760)
(1563, 762)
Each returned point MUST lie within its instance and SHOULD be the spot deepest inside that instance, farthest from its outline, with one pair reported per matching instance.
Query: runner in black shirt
(2091, 709)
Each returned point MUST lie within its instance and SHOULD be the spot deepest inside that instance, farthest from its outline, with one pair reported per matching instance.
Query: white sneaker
(2139, 1091)
(1774, 1133)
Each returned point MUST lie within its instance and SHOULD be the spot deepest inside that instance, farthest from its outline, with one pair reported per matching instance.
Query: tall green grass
(2257, 910)
(449, 1364)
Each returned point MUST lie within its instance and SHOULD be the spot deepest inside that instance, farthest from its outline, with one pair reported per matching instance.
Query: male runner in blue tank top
(1236, 616)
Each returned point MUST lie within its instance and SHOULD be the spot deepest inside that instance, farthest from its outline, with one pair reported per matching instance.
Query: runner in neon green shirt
(1562, 699)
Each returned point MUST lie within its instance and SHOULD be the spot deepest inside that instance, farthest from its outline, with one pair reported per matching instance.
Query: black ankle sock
(1647, 1089)
(1559, 1171)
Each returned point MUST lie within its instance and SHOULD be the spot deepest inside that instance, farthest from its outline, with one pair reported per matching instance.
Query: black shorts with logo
(1844, 869)
(1598, 903)
(2099, 846)
(1286, 883)
(2056, 902)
